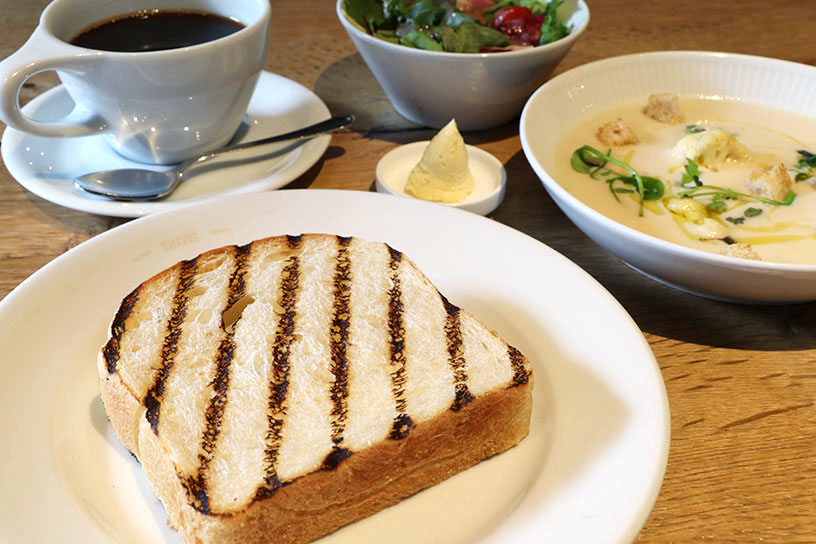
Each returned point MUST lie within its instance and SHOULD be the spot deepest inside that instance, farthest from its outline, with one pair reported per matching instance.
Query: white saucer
(489, 176)
(48, 166)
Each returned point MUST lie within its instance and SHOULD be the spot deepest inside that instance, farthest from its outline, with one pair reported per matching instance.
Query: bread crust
(122, 406)
(326, 499)
(363, 484)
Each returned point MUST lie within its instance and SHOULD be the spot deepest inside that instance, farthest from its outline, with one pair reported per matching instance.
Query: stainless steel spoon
(143, 184)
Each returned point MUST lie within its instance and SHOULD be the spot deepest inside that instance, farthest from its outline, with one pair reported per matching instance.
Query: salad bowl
(601, 86)
(479, 90)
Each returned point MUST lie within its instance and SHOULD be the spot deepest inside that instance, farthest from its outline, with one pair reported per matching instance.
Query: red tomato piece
(510, 13)
(533, 26)
(525, 31)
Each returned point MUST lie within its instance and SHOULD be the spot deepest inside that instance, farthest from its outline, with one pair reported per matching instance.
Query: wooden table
(741, 380)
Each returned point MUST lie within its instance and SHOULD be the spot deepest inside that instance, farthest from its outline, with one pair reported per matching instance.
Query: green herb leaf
(655, 186)
(721, 193)
(691, 174)
(578, 163)
(806, 159)
(387, 35)
(475, 37)
(450, 40)
(693, 129)
(726, 194)
(420, 40)
(587, 155)
(538, 7)
(717, 206)
(397, 10)
(427, 13)
(455, 18)
(752, 212)
(806, 166)
(551, 28)
(735, 220)
(366, 13)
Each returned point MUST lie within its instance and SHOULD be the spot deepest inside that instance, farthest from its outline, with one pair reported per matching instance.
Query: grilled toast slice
(279, 390)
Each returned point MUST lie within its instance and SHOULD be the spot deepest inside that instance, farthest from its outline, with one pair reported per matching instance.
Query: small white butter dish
(489, 176)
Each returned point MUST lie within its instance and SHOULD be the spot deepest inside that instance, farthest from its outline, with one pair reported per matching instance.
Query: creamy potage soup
(736, 179)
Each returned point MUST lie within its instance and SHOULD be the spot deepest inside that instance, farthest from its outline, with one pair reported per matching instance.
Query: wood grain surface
(741, 380)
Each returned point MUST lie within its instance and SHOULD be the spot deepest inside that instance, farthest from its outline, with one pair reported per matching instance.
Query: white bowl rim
(581, 10)
(647, 239)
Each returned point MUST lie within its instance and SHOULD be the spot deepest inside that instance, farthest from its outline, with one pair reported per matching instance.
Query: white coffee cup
(155, 107)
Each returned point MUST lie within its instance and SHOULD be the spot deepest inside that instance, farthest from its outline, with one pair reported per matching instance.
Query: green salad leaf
(396, 9)
(420, 39)
(472, 37)
(427, 13)
(552, 29)
(367, 13)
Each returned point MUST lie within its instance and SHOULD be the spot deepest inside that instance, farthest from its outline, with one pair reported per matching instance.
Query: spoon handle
(329, 125)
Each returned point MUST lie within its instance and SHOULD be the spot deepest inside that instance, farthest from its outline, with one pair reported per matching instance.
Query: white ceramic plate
(603, 85)
(489, 176)
(48, 166)
(589, 471)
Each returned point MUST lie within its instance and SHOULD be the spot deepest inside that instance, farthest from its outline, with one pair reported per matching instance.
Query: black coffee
(155, 30)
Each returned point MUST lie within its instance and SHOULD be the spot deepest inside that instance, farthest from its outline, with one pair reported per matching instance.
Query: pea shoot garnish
(691, 174)
(695, 188)
(806, 159)
(805, 168)
(588, 160)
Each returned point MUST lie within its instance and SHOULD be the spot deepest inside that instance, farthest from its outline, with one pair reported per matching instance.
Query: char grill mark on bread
(402, 421)
(196, 485)
(521, 373)
(279, 384)
(111, 350)
(152, 400)
(453, 332)
(339, 337)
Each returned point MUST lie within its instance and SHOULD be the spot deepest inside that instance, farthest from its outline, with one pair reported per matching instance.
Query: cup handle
(41, 53)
